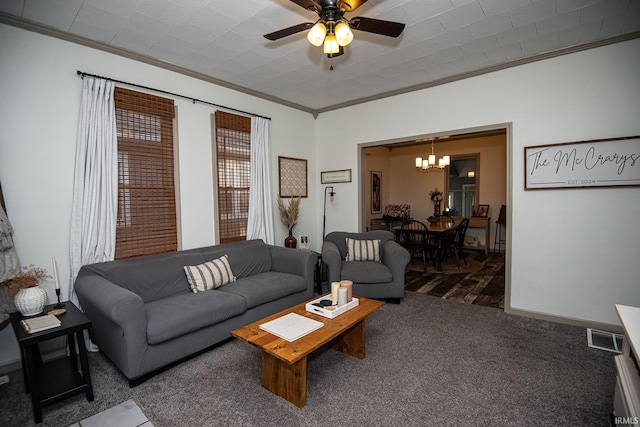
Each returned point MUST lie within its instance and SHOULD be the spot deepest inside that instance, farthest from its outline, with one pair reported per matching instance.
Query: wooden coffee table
(284, 364)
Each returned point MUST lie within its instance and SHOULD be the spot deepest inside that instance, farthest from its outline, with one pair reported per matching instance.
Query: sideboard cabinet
(626, 400)
(385, 223)
(480, 222)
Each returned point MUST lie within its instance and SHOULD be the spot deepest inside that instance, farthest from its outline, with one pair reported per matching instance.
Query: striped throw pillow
(209, 275)
(363, 250)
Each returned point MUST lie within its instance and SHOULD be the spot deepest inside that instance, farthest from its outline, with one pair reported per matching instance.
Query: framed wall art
(335, 177)
(292, 179)
(611, 162)
(376, 192)
(482, 211)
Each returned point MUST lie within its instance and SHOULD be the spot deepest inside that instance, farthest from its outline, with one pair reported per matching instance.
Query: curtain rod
(194, 100)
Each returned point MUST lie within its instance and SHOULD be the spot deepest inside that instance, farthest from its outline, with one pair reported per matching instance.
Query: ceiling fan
(332, 29)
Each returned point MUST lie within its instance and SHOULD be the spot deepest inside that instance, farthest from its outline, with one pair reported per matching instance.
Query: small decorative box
(330, 311)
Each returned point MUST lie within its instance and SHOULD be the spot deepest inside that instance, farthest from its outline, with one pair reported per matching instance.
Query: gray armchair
(371, 279)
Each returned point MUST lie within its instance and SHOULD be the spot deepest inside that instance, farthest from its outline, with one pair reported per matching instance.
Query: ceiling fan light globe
(344, 35)
(331, 44)
(317, 34)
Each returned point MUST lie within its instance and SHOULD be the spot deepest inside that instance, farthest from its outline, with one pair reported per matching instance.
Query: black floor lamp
(324, 216)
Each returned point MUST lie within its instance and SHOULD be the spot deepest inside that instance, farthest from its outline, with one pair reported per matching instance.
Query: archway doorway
(401, 183)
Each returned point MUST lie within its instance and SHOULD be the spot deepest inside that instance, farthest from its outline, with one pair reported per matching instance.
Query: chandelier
(429, 164)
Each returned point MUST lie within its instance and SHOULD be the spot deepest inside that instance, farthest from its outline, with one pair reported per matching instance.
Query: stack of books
(291, 326)
(40, 323)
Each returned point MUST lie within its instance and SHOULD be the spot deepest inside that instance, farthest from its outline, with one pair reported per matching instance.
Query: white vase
(30, 301)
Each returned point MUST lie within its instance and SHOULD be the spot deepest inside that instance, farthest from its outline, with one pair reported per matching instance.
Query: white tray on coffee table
(330, 311)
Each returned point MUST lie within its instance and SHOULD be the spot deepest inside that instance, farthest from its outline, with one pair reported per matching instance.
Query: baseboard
(10, 366)
(608, 327)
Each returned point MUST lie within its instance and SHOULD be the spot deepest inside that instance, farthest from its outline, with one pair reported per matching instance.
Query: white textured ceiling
(223, 40)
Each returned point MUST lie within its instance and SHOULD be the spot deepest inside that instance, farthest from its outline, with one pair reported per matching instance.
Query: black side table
(59, 378)
(319, 272)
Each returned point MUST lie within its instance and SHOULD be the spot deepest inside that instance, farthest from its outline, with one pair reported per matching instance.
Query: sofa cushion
(210, 275)
(178, 315)
(365, 272)
(265, 287)
(246, 258)
(363, 250)
(151, 277)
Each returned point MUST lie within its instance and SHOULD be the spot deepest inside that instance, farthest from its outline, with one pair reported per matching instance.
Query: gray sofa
(380, 280)
(145, 316)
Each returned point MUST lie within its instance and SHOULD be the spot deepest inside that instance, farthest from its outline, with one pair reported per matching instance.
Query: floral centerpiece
(436, 197)
(289, 217)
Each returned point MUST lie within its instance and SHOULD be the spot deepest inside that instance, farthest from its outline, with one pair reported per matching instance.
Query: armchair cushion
(363, 250)
(365, 272)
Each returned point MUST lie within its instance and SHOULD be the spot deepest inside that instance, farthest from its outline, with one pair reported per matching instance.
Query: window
(233, 154)
(462, 184)
(146, 222)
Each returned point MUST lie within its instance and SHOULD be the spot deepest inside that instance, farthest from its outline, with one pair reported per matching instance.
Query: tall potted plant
(289, 217)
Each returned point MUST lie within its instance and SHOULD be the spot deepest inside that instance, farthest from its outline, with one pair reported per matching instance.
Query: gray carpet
(430, 362)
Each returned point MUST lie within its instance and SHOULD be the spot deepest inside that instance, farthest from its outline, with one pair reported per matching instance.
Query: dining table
(440, 231)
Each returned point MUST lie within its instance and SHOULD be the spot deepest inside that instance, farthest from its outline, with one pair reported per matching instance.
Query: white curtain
(95, 188)
(260, 222)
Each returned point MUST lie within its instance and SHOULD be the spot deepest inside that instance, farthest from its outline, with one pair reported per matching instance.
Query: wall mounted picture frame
(613, 162)
(376, 192)
(292, 177)
(482, 211)
(335, 177)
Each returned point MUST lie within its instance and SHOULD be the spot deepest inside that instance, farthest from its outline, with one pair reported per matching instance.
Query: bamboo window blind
(233, 154)
(146, 221)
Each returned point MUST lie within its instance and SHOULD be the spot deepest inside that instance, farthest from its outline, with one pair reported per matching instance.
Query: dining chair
(456, 243)
(415, 238)
(499, 239)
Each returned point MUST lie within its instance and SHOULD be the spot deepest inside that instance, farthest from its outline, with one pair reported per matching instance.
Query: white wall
(39, 106)
(573, 253)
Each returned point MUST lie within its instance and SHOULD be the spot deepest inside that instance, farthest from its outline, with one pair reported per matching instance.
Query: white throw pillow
(363, 250)
(209, 275)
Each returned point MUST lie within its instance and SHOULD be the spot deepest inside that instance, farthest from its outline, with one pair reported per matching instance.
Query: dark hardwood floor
(481, 282)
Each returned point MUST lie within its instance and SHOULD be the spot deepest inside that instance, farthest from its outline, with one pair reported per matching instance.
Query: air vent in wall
(604, 340)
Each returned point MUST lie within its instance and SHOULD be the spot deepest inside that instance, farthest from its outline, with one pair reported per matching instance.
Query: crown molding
(59, 34)
(486, 70)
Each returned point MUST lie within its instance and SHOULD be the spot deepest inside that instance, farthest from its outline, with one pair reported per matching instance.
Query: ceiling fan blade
(276, 35)
(377, 26)
(350, 5)
(308, 4)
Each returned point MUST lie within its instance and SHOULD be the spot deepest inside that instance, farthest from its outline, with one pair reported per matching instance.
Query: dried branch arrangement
(289, 213)
(29, 277)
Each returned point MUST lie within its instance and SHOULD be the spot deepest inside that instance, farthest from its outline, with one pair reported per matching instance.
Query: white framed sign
(333, 177)
(611, 162)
